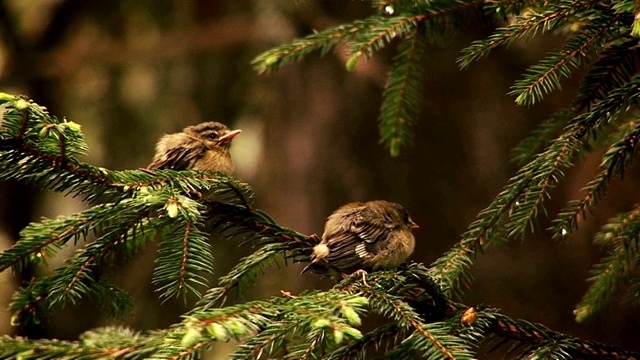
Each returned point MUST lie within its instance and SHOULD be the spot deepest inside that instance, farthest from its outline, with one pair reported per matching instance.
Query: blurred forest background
(131, 70)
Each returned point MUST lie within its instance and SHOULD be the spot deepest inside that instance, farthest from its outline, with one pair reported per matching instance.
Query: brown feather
(199, 147)
(369, 236)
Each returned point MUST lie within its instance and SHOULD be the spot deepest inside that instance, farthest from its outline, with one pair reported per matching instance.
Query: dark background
(129, 71)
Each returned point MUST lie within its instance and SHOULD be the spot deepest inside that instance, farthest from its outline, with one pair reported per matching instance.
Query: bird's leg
(360, 272)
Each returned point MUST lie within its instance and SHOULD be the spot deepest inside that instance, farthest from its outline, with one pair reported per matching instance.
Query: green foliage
(140, 204)
(181, 210)
(545, 77)
(620, 236)
(414, 24)
(402, 94)
(599, 36)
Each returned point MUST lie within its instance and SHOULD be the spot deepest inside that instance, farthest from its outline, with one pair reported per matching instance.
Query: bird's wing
(180, 157)
(353, 249)
(368, 226)
(343, 252)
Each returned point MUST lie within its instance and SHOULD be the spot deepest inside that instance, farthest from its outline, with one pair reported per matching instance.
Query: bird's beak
(230, 135)
(413, 225)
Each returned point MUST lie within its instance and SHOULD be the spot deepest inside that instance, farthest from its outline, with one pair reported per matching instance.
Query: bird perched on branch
(364, 236)
(199, 147)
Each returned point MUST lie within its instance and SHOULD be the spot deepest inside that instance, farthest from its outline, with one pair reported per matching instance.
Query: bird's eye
(212, 136)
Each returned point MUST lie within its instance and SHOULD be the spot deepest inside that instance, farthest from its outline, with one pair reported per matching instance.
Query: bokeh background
(131, 70)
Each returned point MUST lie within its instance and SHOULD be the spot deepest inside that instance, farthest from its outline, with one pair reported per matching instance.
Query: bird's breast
(214, 160)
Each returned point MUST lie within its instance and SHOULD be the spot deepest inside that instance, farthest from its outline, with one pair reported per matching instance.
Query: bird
(364, 236)
(202, 147)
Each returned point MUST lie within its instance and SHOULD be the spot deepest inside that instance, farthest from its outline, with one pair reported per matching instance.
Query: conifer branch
(375, 37)
(375, 338)
(183, 256)
(616, 159)
(608, 278)
(616, 65)
(364, 36)
(536, 334)
(80, 276)
(272, 242)
(433, 339)
(81, 266)
(32, 144)
(324, 41)
(621, 236)
(325, 318)
(184, 206)
(322, 323)
(487, 230)
(32, 248)
(526, 24)
(36, 146)
(545, 76)
(524, 194)
(540, 175)
(103, 343)
(539, 138)
(401, 98)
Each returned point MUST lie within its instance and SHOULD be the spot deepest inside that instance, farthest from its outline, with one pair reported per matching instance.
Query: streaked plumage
(364, 236)
(199, 147)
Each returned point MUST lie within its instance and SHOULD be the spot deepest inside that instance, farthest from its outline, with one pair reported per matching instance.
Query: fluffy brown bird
(199, 147)
(364, 236)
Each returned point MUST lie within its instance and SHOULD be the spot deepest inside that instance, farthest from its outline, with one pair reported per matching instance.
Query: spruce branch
(429, 342)
(434, 339)
(101, 343)
(40, 241)
(535, 334)
(381, 337)
(365, 36)
(620, 154)
(632, 295)
(527, 23)
(123, 228)
(376, 36)
(81, 274)
(37, 147)
(539, 138)
(401, 98)
(184, 251)
(323, 324)
(544, 77)
(323, 41)
(621, 236)
(323, 319)
(272, 242)
(525, 192)
(538, 178)
(615, 160)
(437, 19)
(616, 65)
(183, 255)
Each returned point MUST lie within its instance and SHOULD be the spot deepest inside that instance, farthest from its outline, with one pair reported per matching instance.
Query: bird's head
(212, 134)
(395, 213)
